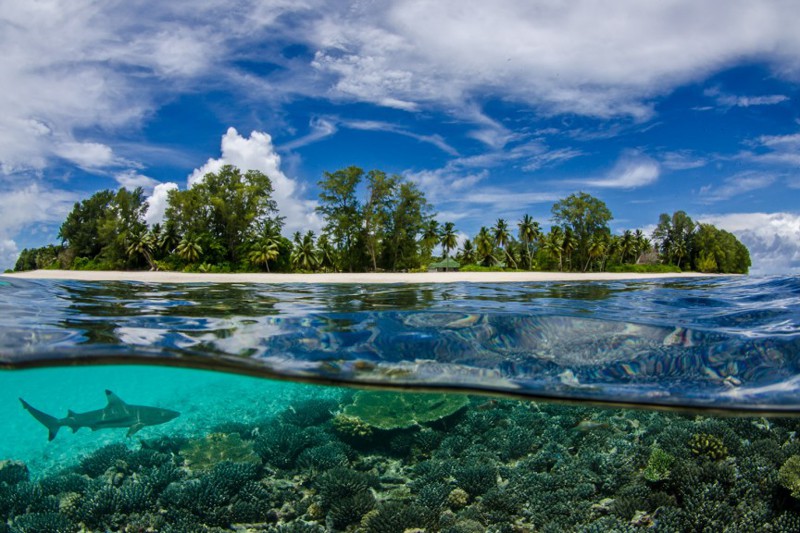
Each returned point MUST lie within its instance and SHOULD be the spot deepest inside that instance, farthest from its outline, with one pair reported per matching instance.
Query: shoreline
(345, 278)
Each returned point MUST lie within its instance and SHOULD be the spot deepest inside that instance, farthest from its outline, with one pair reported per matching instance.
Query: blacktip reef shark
(117, 414)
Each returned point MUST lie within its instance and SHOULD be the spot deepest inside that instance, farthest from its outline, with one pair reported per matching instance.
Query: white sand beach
(388, 277)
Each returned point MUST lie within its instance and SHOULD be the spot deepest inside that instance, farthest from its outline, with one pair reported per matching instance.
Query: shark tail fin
(50, 422)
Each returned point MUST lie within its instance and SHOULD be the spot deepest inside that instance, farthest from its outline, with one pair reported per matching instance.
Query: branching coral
(707, 445)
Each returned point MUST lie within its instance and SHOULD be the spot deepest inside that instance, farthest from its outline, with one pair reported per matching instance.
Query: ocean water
(666, 405)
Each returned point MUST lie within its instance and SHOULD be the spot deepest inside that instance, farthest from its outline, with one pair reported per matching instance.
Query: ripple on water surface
(729, 343)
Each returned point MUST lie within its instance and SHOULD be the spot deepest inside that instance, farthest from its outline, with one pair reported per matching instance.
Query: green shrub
(645, 269)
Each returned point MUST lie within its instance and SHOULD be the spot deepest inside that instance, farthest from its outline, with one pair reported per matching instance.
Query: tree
(377, 211)
(80, 230)
(449, 240)
(484, 247)
(529, 233)
(143, 243)
(409, 217)
(341, 209)
(674, 236)
(467, 253)
(502, 238)
(189, 249)
(304, 254)
(717, 250)
(553, 245)
(586, 216)
(326, 253)
(263, 252)
(430, 238)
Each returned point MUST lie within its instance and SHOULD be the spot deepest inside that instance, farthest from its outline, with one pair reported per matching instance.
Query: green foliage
(707, 263)
(228, 222)
(224, 209)
(481, 268)
(718, 248)
(391, 410)
(658, 465)
(46, 257)
(789, 475)
(645, 269)
(586, 216)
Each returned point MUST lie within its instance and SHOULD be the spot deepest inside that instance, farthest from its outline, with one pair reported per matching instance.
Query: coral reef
(392, 410)
(203, 454)
(499, 466)
(707, 445)
(658, 465)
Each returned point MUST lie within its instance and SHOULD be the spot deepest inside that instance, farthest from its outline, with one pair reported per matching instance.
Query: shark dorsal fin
(114, 401)
(70, 413)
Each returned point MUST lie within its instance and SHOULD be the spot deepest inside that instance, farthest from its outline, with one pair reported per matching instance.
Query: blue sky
(495, 109)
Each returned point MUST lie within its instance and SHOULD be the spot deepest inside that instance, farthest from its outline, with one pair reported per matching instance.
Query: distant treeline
(229, 222)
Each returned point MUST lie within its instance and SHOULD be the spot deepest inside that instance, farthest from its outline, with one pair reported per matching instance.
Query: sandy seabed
(356, 278)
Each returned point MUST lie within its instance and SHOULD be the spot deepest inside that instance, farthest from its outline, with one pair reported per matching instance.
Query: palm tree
(189, 249)
(678, 250)
(169, 238)
(142, 243)
(467, 253)
(484, 244)
(568, 245)
(326, 253)
(449, 240)
(304, 255)
(597, 247)
(502, 238)
(430, 237)
(627, 245)
(263, 252)
(529, 233)
(554, 243)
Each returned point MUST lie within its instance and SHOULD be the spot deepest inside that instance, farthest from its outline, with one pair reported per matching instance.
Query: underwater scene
(665, 405)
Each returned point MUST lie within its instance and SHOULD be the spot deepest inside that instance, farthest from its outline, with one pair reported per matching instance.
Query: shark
(116, 414)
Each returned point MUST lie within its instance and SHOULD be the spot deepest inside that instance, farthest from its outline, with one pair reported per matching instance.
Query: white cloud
(631, 171)
(779, 150)
(374, 125)
(86, 154)
(130, 179)
(582, 57)
(32, 204)
(78, 65)
(29, 208)
(258, 153)
(735, 185)
(157, 203)
(772, 238)
(681, 160)
(320, 128)
(8, 253)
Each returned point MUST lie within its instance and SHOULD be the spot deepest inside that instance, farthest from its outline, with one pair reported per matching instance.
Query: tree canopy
(229, 221)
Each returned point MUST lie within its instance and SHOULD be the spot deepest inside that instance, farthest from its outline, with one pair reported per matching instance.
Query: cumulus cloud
(258, 153)
(130, 179)
(31, 205)
(157, 203)
(8, 253)
(29, 208)
(72, 66)
(772, 238)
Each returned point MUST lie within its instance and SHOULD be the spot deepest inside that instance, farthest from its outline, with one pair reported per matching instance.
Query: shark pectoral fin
(133, 429)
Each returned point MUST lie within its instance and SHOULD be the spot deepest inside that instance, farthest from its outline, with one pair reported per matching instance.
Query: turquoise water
(492, 446)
